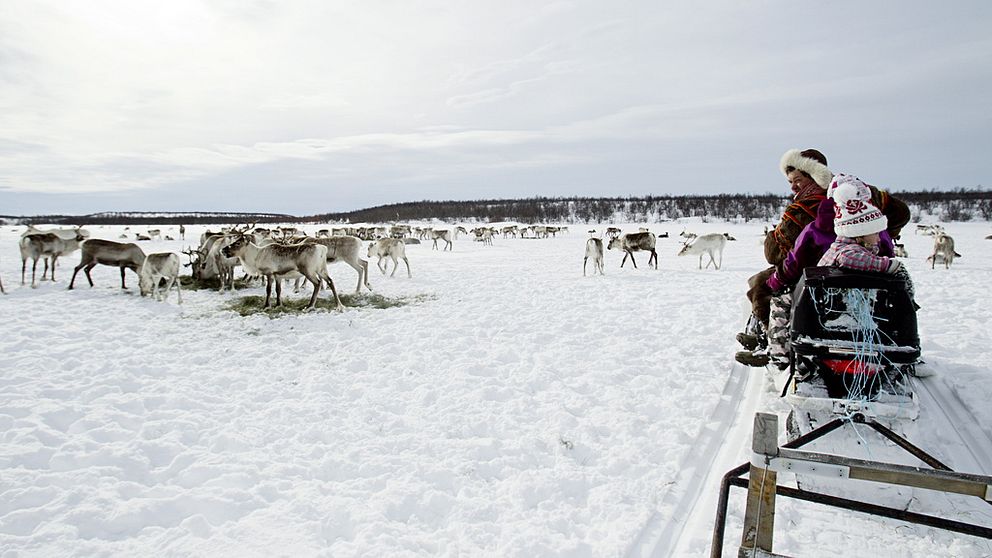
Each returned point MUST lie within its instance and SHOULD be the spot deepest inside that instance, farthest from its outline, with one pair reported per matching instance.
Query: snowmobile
(854, 348)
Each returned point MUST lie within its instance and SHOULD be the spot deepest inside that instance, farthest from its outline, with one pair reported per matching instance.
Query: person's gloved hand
(774, 283)
(776, 286)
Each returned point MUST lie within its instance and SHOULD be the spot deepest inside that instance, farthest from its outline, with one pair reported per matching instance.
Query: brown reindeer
(635, 242)
(107, 252)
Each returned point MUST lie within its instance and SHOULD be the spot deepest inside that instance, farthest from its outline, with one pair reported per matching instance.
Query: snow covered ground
(512, 407)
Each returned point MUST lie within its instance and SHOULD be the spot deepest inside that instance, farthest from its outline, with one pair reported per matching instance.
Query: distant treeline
(953, 205)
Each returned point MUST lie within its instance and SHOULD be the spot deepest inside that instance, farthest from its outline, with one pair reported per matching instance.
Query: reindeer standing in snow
(705, 244)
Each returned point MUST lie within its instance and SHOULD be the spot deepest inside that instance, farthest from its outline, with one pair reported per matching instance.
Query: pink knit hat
(854, 213)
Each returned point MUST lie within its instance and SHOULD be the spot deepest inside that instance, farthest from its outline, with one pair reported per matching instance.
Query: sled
(854, 347)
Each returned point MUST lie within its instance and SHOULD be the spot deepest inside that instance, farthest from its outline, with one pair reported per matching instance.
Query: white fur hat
(810, 161)
(854, 213)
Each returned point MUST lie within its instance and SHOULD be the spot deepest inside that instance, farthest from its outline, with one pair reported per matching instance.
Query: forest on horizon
(952, 205)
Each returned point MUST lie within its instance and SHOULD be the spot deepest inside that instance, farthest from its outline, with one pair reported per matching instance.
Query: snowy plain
(511, 407)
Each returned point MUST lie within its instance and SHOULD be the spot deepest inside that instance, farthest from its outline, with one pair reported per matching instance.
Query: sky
(312, 106)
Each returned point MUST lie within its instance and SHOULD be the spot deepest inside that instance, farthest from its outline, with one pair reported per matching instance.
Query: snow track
(967, 445)
(718, 447)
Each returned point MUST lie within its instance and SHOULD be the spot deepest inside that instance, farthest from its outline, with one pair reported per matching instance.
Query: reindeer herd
(646, 241)
(284, 253)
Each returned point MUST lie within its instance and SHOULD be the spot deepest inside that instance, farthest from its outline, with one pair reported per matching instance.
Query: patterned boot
(778, 330)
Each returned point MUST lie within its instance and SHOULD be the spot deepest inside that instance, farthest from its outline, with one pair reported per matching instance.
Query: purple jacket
(810, 246)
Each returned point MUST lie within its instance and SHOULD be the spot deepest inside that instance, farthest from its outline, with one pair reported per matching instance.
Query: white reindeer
(392, 247)
(45, 245)
(594, 251)
(72, 238)
(107, 252)
(929, 230)
(706, 244)
(276, 261)
(156, 267)
(346, 249)
(444, 235)
(943, 247)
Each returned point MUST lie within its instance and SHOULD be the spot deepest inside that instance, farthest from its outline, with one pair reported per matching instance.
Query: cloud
(133, 98)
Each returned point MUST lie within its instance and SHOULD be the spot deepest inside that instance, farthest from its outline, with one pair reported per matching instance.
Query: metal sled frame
(768, 458)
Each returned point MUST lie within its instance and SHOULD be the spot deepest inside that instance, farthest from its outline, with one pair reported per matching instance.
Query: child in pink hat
(858, 223)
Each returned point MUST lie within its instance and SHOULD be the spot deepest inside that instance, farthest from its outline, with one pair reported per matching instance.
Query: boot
(749, 342)
(753, 335)
(755, 359)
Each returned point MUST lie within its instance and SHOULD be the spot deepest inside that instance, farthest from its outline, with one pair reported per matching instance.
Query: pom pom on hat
(854, 213)
(810, 161)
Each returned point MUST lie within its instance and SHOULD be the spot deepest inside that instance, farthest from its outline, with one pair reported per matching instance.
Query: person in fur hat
(804, 233)
(819, 238)
(808, 177)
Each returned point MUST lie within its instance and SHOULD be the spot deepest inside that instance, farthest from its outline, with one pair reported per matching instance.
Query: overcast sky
(317, 106)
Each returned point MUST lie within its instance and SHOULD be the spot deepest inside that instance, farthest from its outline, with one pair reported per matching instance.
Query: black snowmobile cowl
(822, 322)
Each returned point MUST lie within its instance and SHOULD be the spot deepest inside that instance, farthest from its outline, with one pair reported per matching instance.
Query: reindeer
(483, 235)
(899, 250)
(107, 252)
(276, 261)
(444, 235)
(44, 245)
(943, 247)
(223, 266)
(635, 242)
(594, 251)
(156, 267)
(346, 249)
(400, 231)
(72, 238)
(706, 244)
(392, 247)
(154, 233)
(929, 230)
(612, 232)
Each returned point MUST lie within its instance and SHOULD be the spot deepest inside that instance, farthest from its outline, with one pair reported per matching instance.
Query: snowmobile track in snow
(937, 397)
(719, 441)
